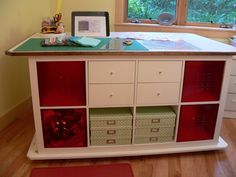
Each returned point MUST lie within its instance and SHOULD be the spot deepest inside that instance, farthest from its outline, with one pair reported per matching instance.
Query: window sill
(211, 32)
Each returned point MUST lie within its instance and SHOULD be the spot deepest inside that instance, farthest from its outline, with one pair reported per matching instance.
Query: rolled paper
(58, 6)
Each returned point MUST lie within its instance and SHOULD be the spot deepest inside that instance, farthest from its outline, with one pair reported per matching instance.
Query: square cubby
(61, 83)
(64, 128)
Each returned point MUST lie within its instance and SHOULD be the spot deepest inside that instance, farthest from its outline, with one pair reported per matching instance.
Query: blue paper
(85, 41)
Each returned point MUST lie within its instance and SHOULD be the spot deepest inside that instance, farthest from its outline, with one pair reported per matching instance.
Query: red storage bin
(202, 80)
(197, 122)
(62, 83)
(64, 128)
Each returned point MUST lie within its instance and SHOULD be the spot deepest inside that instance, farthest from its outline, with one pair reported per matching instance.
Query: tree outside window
(212, 11)
(198, 11)
(150, 9)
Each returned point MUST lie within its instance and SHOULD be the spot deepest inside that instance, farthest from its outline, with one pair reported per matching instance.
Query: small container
(154, 131)
(110, 126)
(233, 41)
(106, 132)
(110, 141)
(153, 139)
(154, 125)
(155, 116)
(110, 117)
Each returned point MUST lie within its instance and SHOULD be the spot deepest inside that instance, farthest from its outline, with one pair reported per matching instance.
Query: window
(150, 9)
(212, 11)
(185, 11)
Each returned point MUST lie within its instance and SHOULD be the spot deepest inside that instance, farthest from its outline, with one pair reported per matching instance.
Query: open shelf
(64, 128)
(197, 122)
(61, 83)
(202, 80)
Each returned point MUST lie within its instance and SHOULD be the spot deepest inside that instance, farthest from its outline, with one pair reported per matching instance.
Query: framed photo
(90, 24)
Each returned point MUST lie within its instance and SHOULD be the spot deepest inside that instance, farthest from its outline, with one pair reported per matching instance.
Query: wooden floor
(16, 138)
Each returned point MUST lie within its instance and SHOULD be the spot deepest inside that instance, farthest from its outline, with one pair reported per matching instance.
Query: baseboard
(230, 114)
(13, 113)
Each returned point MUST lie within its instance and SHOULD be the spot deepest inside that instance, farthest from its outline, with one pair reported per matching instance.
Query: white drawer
(111, 71)
(149, 93)
(159, 71)
(233, 69)
(231, 102)
(111, 94)
(232, 84)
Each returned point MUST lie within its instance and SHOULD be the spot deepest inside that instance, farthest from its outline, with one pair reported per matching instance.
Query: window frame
(122, 23)
(181, 15)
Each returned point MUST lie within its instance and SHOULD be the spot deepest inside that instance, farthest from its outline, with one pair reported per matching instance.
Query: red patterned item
(64, 128)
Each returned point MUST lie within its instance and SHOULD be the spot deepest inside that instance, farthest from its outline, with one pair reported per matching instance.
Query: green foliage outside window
(150, 9)
(209, 11)
(212, 11)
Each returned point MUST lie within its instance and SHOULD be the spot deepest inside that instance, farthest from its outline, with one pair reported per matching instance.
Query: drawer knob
(158, 93)
(160, 72)
(111, 95)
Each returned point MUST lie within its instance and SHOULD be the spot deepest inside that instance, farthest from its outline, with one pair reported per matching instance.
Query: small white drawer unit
(111, 83)
(156, 80)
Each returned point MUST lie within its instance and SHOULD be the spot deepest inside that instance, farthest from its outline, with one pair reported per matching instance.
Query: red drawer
(64, 128)
(202, 80)
(197, 122)
(61, 83)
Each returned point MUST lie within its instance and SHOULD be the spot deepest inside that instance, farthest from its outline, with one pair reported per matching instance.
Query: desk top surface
(144, 43)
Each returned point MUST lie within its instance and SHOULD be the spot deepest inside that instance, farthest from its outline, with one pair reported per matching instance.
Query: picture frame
(90, 23)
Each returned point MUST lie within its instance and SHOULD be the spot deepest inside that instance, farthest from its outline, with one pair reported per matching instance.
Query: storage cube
(202, 80)
(110, 126)
(154, 125)
(61, 83)
(64, 128)
(197, 122)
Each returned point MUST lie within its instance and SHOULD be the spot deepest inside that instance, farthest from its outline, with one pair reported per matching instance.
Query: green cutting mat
(34, 44)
